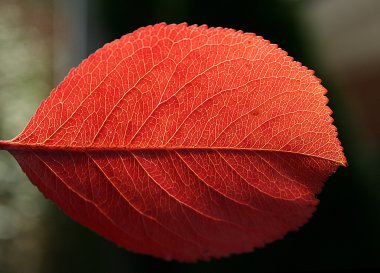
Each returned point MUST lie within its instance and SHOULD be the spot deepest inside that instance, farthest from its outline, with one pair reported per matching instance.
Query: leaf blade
(213, 141)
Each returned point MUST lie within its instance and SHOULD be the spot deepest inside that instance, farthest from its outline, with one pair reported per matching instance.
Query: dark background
(339, 39)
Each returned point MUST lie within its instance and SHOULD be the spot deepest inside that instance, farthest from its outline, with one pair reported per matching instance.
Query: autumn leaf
(184, 142)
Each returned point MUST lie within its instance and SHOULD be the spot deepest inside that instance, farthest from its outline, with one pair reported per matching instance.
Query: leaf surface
(184, 142)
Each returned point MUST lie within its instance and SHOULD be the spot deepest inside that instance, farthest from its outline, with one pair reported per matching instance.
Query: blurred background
(339, 39)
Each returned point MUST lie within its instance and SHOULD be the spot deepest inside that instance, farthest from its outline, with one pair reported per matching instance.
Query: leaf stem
(4, 144)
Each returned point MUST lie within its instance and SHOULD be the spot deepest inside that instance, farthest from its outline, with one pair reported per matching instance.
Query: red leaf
(184, 142)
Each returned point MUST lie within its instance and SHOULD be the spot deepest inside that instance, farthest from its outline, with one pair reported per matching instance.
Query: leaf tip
(343, 161)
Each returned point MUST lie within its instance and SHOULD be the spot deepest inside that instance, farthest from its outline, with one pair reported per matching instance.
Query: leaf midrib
(12, 146)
